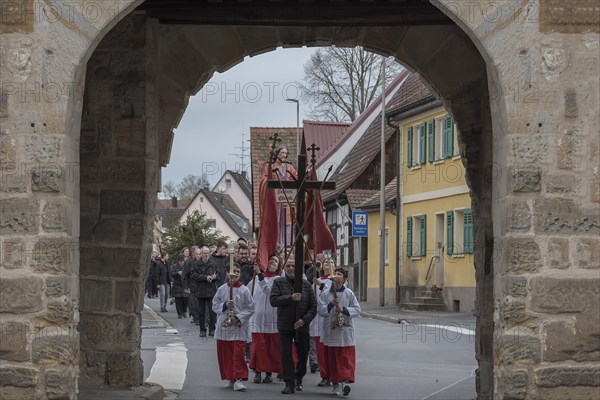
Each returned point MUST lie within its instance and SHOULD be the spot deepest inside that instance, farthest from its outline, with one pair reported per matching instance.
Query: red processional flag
(269, 221)
(315, 226)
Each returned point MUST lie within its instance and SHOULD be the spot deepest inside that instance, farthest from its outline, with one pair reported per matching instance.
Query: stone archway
(510, 76)
(131, 79)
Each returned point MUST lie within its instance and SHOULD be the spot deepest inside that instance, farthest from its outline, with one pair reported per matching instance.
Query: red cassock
(321, 360)
(340, 362)
(269, 218)
(232, 364)
(265, 353)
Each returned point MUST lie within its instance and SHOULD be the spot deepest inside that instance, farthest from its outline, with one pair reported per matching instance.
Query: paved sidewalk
(394, 315)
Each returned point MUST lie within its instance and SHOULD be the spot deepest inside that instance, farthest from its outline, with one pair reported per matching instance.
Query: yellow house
(429, 251)
(390, 251)
(437, 234)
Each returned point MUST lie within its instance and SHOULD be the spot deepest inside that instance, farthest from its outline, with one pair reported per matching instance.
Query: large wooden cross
(302, 184)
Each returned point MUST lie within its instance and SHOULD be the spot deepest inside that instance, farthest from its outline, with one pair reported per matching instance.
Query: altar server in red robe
(265, 353)
(234, 306)
(339, 306)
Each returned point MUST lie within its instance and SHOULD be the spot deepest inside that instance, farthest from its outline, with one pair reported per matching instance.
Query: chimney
(244, 173)
(174, 201)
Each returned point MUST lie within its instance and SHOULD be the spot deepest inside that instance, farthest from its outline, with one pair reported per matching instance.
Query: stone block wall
(546, 211)
(119, 170)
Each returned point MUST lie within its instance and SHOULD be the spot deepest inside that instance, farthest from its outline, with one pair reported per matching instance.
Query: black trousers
(203, 303)
(193, 306)
(181, 304)
(293, 373)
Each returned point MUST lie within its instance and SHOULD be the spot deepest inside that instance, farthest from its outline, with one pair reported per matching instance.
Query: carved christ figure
(280, 169)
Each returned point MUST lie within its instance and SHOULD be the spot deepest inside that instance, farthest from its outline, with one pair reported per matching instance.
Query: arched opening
(138, 81)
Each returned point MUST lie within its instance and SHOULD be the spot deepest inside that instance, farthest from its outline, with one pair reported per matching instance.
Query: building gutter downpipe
(399, 179)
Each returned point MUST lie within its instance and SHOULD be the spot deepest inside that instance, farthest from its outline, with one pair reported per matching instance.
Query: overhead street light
(297, 101)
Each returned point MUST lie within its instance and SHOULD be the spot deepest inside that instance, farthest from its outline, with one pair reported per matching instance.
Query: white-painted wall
(211, 213)
(236, 193)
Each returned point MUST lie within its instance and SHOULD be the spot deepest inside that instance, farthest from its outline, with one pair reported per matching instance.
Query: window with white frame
(212, 223)
(459, 232)
(416, 235)
(435, 130)
(227, 183)
(416, 144)
(455, 140)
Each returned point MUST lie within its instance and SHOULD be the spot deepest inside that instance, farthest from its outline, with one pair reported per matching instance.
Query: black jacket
(177, 286)
(153, 272)
(222, 263)
(187, 268)
(162, 273)
(246, 271)
(281, 297)
(199, 285)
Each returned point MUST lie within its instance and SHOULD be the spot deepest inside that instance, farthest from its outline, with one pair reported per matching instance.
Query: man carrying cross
(292, 295)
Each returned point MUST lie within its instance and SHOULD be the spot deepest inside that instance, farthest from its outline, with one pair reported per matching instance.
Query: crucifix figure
(301, 184)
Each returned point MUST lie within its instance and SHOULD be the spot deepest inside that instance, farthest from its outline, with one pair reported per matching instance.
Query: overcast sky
(250, 94)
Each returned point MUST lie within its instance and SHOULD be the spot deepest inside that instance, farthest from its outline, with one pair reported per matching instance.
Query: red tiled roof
(166, 203)
(368, 146)
(324, 135)
(413, 89)
(390, 195)
(358, 196)
(373, 107)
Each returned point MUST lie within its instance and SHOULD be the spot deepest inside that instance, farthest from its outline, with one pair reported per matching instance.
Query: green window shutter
(423, 235)
(449, 232)
(431, 139)
(448, 142)
(409, 140)
(468, 230)
(409, 237)
(422, 151)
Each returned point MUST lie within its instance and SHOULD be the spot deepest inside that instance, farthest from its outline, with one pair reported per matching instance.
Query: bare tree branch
(340, 83)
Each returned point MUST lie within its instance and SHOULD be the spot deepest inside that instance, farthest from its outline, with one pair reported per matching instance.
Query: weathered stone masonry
(89, 96)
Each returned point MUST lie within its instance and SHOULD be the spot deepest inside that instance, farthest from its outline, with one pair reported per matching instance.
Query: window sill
(457, 255)
(415, 258)
(456, 157)
(440, 161)
(415, 167)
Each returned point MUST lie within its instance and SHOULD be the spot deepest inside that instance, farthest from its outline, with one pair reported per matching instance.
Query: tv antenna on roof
(242, 155)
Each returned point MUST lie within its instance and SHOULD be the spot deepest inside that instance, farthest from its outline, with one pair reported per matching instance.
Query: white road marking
(170, 366)
(450, 385)
(453, 328)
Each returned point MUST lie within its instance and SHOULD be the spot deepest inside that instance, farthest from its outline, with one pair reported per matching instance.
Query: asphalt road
(394, 361)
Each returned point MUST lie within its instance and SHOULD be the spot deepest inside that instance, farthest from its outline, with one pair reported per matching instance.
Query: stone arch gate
(91, 92)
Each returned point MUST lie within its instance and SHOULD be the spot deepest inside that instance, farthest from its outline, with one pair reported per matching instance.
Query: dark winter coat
(187, 268)
(177, 285)
(246, 271)
(199, 285)
(222, 263)
(162, 273)
(281, 297)
(153, 273)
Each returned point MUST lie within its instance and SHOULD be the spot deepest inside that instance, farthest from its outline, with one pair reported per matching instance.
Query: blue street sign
(360, 224)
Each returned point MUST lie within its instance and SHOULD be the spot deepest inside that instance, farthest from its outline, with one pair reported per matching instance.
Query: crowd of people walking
(258, 320)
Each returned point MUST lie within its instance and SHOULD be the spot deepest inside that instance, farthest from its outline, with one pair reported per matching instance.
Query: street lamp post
(297, 101)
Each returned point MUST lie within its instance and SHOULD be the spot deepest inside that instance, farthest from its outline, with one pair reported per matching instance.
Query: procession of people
(250, 301)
